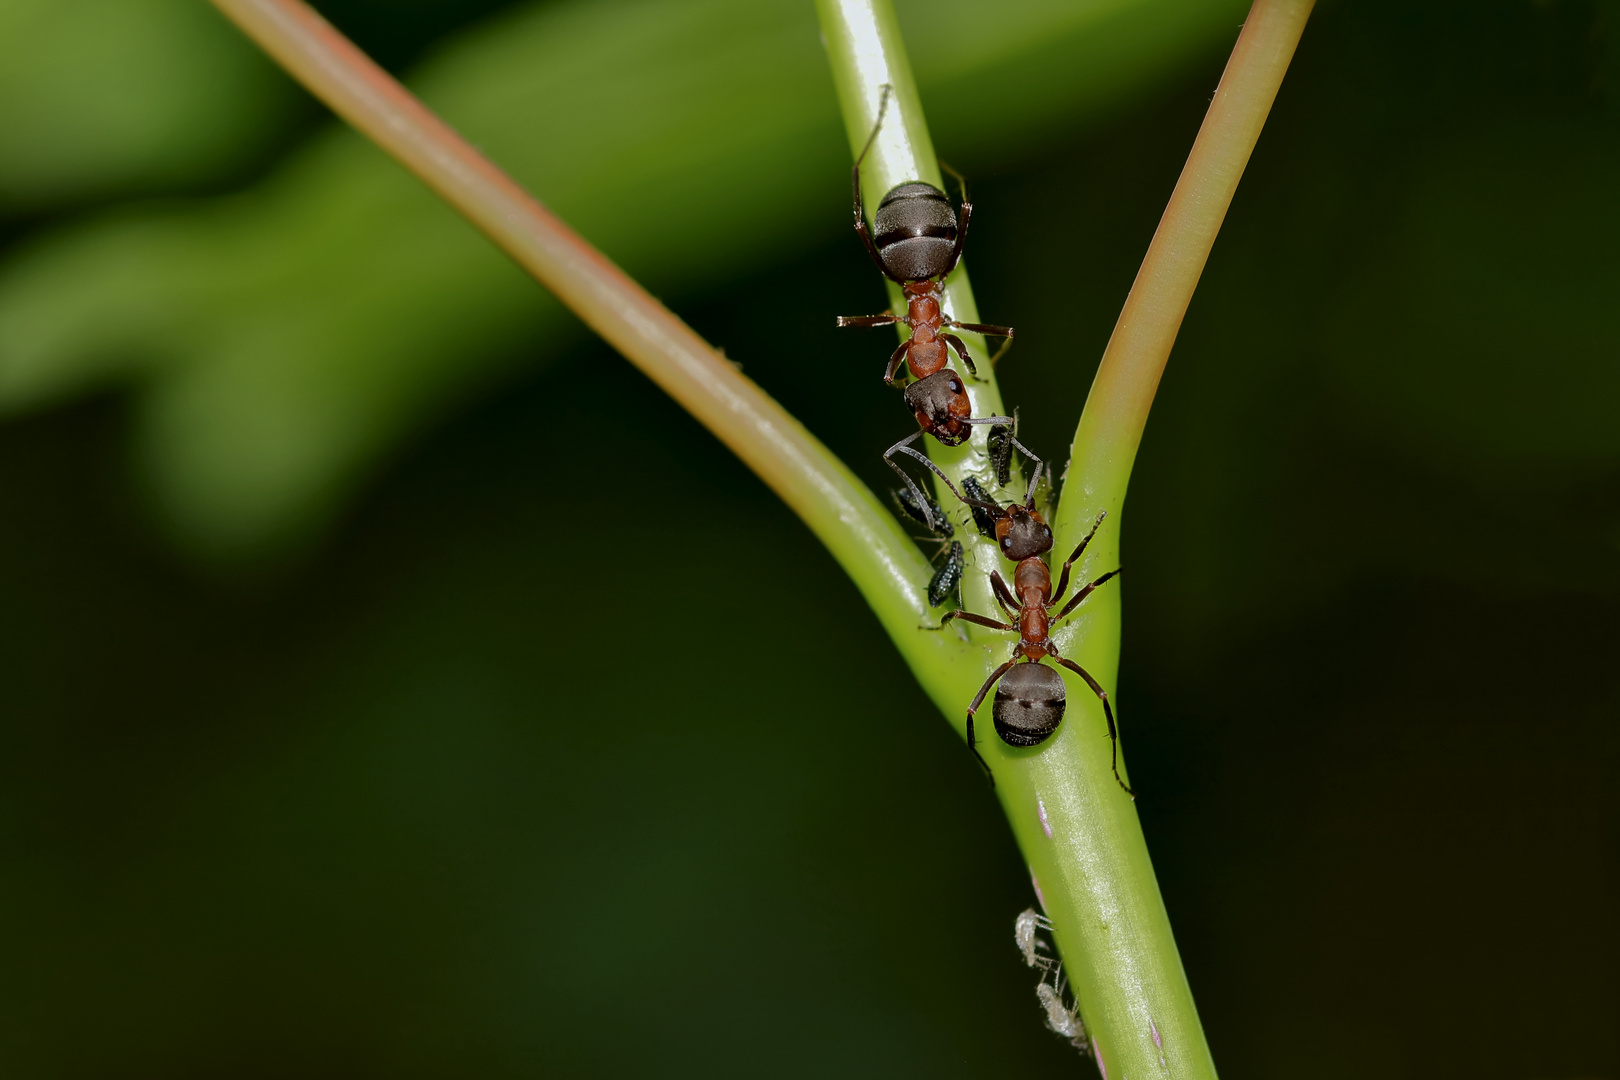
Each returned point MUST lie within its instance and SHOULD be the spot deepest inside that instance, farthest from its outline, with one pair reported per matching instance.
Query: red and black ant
(1030, 698)
(917, 243)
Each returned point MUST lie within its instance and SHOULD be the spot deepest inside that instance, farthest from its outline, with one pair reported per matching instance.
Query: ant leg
(870, 320)
(1079, 595)
(1004, 596)
(973, 708)
(989, 330)
(855, 183)
(961, 350)
(962, 222)
(973, 745)
(978, 699)
(895, 359)
(1102, 695)
(1063, 579)
(962, 217)
(961, 181)
(976, 620)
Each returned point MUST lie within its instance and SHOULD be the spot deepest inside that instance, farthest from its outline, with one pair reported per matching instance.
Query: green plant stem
(1078, 831)
(1116, 410)
(867, 54)
(1117, 941)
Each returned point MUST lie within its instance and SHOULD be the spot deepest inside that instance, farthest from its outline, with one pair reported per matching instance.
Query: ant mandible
(918, 242)
(1030, 698)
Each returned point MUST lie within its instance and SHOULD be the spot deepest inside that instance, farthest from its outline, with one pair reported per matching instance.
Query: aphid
(928, 514)
(986, 511)
(918, 242)
(1025, 935)
(1065, 1020)
(1031, 698)
(1000, 444)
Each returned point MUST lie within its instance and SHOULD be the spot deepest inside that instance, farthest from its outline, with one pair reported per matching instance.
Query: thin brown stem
(1128, 377)
(814, 483)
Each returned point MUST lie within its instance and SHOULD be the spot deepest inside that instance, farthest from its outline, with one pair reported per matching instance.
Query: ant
(917, 506)
(918, 243)
(1031, 698)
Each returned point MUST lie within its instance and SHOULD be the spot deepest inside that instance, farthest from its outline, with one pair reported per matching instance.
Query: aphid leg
(855, 182)
(988, 330)
(1081, 594)
(1063, 578)
(1108, 711)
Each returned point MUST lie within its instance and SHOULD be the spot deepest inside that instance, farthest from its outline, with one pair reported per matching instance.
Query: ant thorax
(926, 307)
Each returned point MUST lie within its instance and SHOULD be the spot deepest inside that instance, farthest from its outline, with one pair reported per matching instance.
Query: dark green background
(570, 753)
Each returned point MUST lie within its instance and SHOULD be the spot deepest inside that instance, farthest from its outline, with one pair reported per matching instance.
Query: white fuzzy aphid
(1029, 942)
(1063, 1019)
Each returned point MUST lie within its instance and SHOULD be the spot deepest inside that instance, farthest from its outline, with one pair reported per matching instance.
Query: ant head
(1022, 533)
(941, 403)
(915, 231)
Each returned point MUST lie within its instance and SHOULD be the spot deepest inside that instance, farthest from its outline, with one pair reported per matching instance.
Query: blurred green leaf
(104, 96)
(289, 337)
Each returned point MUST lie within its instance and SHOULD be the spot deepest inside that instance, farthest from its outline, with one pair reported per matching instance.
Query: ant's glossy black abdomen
(914, 229)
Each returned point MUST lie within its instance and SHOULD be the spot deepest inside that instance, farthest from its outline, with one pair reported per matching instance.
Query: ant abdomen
(1029, 704)
(915, 231)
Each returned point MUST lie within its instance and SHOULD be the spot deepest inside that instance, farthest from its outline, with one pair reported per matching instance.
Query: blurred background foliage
(296, 648)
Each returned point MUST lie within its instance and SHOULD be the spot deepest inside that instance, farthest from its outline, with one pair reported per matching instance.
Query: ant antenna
(904, 447)
(1034, 480)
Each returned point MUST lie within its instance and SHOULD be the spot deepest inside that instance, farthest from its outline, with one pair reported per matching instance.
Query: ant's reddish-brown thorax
(925, 352)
